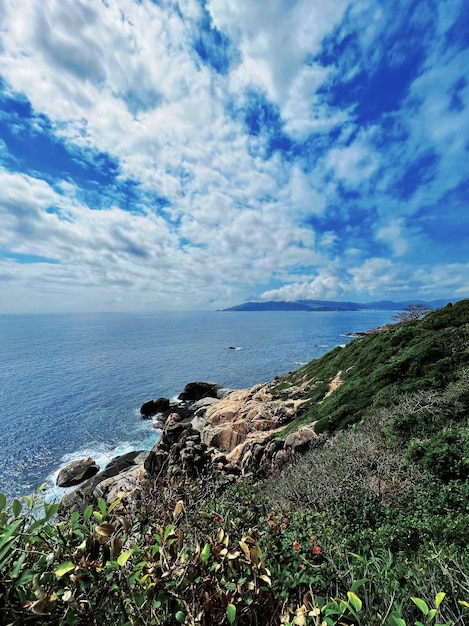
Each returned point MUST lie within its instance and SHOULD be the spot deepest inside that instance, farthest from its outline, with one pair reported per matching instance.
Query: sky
(196, 154)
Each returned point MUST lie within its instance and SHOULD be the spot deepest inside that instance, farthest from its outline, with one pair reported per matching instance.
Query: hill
(330, 305)
(362, 519)
(270, 306)
(369, 373)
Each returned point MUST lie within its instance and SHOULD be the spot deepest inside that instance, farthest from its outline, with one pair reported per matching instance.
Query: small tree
(412, 313)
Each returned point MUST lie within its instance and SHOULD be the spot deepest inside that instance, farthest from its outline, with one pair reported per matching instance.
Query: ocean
(71, 386)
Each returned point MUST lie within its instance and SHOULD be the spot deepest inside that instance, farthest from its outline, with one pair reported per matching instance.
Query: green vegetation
(379, 368)
(372, 529)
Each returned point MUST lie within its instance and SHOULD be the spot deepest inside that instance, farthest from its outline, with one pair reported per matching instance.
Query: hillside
(365, 521)
(331, 305)
(374, 370)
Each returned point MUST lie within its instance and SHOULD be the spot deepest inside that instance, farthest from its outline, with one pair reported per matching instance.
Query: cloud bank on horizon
(199, 153)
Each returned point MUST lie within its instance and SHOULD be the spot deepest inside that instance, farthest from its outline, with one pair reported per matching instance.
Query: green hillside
(370, 527)
(377, 369)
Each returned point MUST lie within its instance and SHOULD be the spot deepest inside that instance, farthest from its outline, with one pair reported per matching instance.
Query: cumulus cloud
(394, 234)
(203, 151)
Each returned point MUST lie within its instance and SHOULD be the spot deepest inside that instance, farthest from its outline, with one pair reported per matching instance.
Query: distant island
(331, 305)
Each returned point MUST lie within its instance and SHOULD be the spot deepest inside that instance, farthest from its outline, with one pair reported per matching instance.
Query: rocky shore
(210, 428)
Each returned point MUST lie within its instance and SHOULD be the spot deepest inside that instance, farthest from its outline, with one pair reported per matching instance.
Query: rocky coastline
(210, 428)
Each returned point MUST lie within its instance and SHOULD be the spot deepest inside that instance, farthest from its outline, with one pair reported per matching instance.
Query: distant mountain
(331, 305)
(271, 306)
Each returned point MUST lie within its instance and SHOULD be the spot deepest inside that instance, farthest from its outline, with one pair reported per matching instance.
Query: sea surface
(71, 386)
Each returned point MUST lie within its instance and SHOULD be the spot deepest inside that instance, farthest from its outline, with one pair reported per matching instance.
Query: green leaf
(6, 535)
(439, 599)
(396, 620)
(3, 501)
(124, 557)
(358, 583)
(464, 603)
(180, 617)
(205, 553)
(167, 531)
(26, 577)
(231, 613)
(431, 615)
(64, 568)
(422, 605)
(29, 501)
(74, 517)
(102, 506)
(139, 599)
(88, 513)
(17, 567)
(354, 600)
(51, 510)
(17, 507)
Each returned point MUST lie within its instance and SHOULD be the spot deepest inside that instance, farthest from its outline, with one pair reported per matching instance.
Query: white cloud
(274, 40)
(438, 123)
(122, 78)
(378, 278)
(353, 164)
(331, 282)
(394, 234)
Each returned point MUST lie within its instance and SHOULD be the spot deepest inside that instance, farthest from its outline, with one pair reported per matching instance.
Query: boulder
(152, 407)
(88, 491)
(302, 439)
(200, 406)
(77, 472)
(124, 461)
(174, 427)
(198, 390)
(121, 485)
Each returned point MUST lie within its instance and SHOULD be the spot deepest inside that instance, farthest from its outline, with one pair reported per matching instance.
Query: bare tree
(412, 313)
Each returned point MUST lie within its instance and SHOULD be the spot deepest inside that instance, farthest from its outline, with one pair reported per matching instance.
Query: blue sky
(201, 153)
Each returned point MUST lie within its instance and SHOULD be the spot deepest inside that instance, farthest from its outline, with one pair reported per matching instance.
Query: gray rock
(202, 404)
(301, 439)
(77, 472)
(87, 492)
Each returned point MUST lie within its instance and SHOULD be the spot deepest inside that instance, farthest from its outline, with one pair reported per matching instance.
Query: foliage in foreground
(228, 559)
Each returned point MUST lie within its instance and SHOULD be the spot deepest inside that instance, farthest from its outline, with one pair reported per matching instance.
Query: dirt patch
(335, 383)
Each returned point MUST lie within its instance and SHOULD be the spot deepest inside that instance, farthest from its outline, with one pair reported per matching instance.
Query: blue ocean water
(71, 385)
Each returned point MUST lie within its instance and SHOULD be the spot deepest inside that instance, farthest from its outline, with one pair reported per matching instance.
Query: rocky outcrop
(76, 472)
(153, 407)
(234, 435)
(241, 414)
(198, 390)
(210, 429)
(302, 439)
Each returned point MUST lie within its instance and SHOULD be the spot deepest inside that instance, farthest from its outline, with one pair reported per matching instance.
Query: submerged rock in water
(77, 472)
